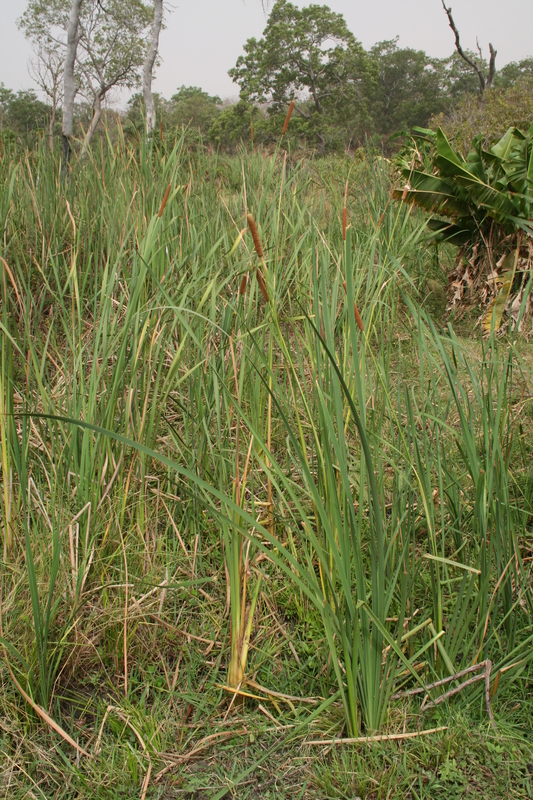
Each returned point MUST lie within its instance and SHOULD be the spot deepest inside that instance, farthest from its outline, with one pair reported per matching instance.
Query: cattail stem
(383, 214)
(287, 118)
(345, 213)
(163, 204)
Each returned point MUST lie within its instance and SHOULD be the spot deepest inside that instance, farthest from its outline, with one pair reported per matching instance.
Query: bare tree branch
(492, 66)
(483, 84)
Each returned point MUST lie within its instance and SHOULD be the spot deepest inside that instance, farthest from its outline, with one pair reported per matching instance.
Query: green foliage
(491, 115)
(135, 113)
(191, 106)
(514, 72)
(409, 88)
(379, 513)
(489, 186)
(486, 200)
(234, 124)
(22, 113)
(310, 55)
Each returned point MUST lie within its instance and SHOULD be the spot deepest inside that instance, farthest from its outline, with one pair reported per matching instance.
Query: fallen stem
(382, 737)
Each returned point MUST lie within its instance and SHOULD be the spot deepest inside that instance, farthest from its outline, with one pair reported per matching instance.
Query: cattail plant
(237, 552)
(163, 204)
(259, 251)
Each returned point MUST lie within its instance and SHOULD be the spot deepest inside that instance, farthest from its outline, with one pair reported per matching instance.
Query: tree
(108, 43)
(234, 125)
(460, 79)
(112, 46)
(136, 114)
(192, 106)
(310, 55)
(485, 79)
(409, 87)
(148, 67)
(69, 83)
(22, 113)
(47, 70)
(489, 116)
(6, 96)
(514, 72)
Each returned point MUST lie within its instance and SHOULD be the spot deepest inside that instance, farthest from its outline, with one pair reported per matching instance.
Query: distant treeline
(396, 89)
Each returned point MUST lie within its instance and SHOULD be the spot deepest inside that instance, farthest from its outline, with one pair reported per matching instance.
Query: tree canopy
(111, 42)
(344, 95)
(22, 113)
(306, 54)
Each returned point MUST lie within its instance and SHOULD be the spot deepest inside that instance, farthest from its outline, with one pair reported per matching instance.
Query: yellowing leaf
(494, 313)
(237, 242)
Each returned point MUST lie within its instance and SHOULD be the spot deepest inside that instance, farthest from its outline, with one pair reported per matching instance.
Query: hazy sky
(204, 38)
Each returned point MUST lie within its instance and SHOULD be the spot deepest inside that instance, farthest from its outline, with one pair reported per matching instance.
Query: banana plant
(483, 204)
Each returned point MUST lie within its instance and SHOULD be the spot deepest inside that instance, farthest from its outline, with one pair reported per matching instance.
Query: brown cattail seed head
(287, 118)
(163, 204)
(357, 315)
(242, 287)
(262, 285)
(255, 235)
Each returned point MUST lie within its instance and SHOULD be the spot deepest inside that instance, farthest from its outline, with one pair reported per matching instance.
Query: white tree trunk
(51, 126)
(97, 113)
(69, 83)
(149, 67)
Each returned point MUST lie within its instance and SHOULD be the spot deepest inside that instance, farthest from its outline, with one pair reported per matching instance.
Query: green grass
(192, 476)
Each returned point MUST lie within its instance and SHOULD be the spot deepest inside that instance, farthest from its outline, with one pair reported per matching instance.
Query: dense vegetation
(266, 426)
(253, 492)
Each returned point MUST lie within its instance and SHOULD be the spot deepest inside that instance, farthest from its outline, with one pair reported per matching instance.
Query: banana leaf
(490, 186)
(499, 205)
(448, 232)
(433, 194)
(507, 143)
